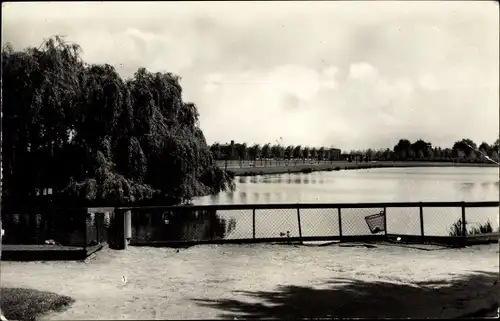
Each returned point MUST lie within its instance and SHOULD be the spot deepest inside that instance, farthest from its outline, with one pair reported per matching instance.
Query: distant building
(345, 157)
(335, 154)
(351, 157)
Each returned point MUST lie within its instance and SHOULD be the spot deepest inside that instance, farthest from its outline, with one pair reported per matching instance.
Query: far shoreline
(343, 165)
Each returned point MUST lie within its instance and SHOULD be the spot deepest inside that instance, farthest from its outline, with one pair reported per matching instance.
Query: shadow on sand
(476, 293)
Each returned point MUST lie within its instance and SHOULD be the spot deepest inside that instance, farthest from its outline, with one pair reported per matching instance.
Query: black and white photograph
(183, 160)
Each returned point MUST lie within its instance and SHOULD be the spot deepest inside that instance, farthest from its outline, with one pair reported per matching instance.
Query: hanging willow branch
(84, 131)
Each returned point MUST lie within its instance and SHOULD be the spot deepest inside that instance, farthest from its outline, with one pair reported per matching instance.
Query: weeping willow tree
(94, 137)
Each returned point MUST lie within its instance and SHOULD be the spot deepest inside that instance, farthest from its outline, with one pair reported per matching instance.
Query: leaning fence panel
(354, 221)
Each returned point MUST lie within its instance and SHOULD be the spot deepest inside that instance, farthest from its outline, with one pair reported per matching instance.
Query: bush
(28, 304)
(457, 228)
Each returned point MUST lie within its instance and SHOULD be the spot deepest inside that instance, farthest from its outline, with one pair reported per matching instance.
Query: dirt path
(268, 281)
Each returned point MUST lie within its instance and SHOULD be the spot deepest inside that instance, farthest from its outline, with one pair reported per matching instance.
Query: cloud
(312, 72)
(362, 70)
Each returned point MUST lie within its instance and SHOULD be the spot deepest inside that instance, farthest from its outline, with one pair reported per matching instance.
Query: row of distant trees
(464, 150)
(243, 152)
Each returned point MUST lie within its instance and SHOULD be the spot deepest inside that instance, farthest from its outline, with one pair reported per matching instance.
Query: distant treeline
(464, 150)
(240, 151)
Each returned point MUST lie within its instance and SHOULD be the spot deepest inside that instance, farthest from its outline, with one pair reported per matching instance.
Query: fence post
(85, 229)
(421, 219)
(128, 226)
(253, 223)
(1, 232)
(137, 224)
(464, 223)
(97, 220)
(300, 227)
(119, 233)
(340, 221)
(385, 221)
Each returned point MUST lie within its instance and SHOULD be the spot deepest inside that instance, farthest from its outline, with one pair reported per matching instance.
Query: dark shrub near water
(457, 228)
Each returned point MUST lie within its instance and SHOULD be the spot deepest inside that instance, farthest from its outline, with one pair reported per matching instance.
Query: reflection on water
(485, 184)
(179, 225)
(371, 185)
(467, 186)
(378, 185)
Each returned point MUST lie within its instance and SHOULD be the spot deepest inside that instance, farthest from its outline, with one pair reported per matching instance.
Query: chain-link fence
(50, 226)
(307, 222)
(478, 221)
(253, 223)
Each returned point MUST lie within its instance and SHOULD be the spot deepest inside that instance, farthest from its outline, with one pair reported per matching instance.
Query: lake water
(361, 186)
(346, 186)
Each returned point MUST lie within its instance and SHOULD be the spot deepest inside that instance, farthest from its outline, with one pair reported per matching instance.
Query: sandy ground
(268, 281)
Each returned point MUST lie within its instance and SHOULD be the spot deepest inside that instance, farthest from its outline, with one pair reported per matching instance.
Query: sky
(352, 75)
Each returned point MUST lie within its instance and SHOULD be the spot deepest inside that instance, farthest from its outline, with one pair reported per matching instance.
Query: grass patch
(457, 228)
(29, 304)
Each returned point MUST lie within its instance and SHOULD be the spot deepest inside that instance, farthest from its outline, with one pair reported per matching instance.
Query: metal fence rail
(451, 223)
(443, 222)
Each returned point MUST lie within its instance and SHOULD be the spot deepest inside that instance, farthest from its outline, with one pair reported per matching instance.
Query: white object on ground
(398, 239)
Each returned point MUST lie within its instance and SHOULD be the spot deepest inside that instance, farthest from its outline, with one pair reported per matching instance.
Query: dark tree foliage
(92, 136)
(464, 146)
(464, 150)
(402, 149)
